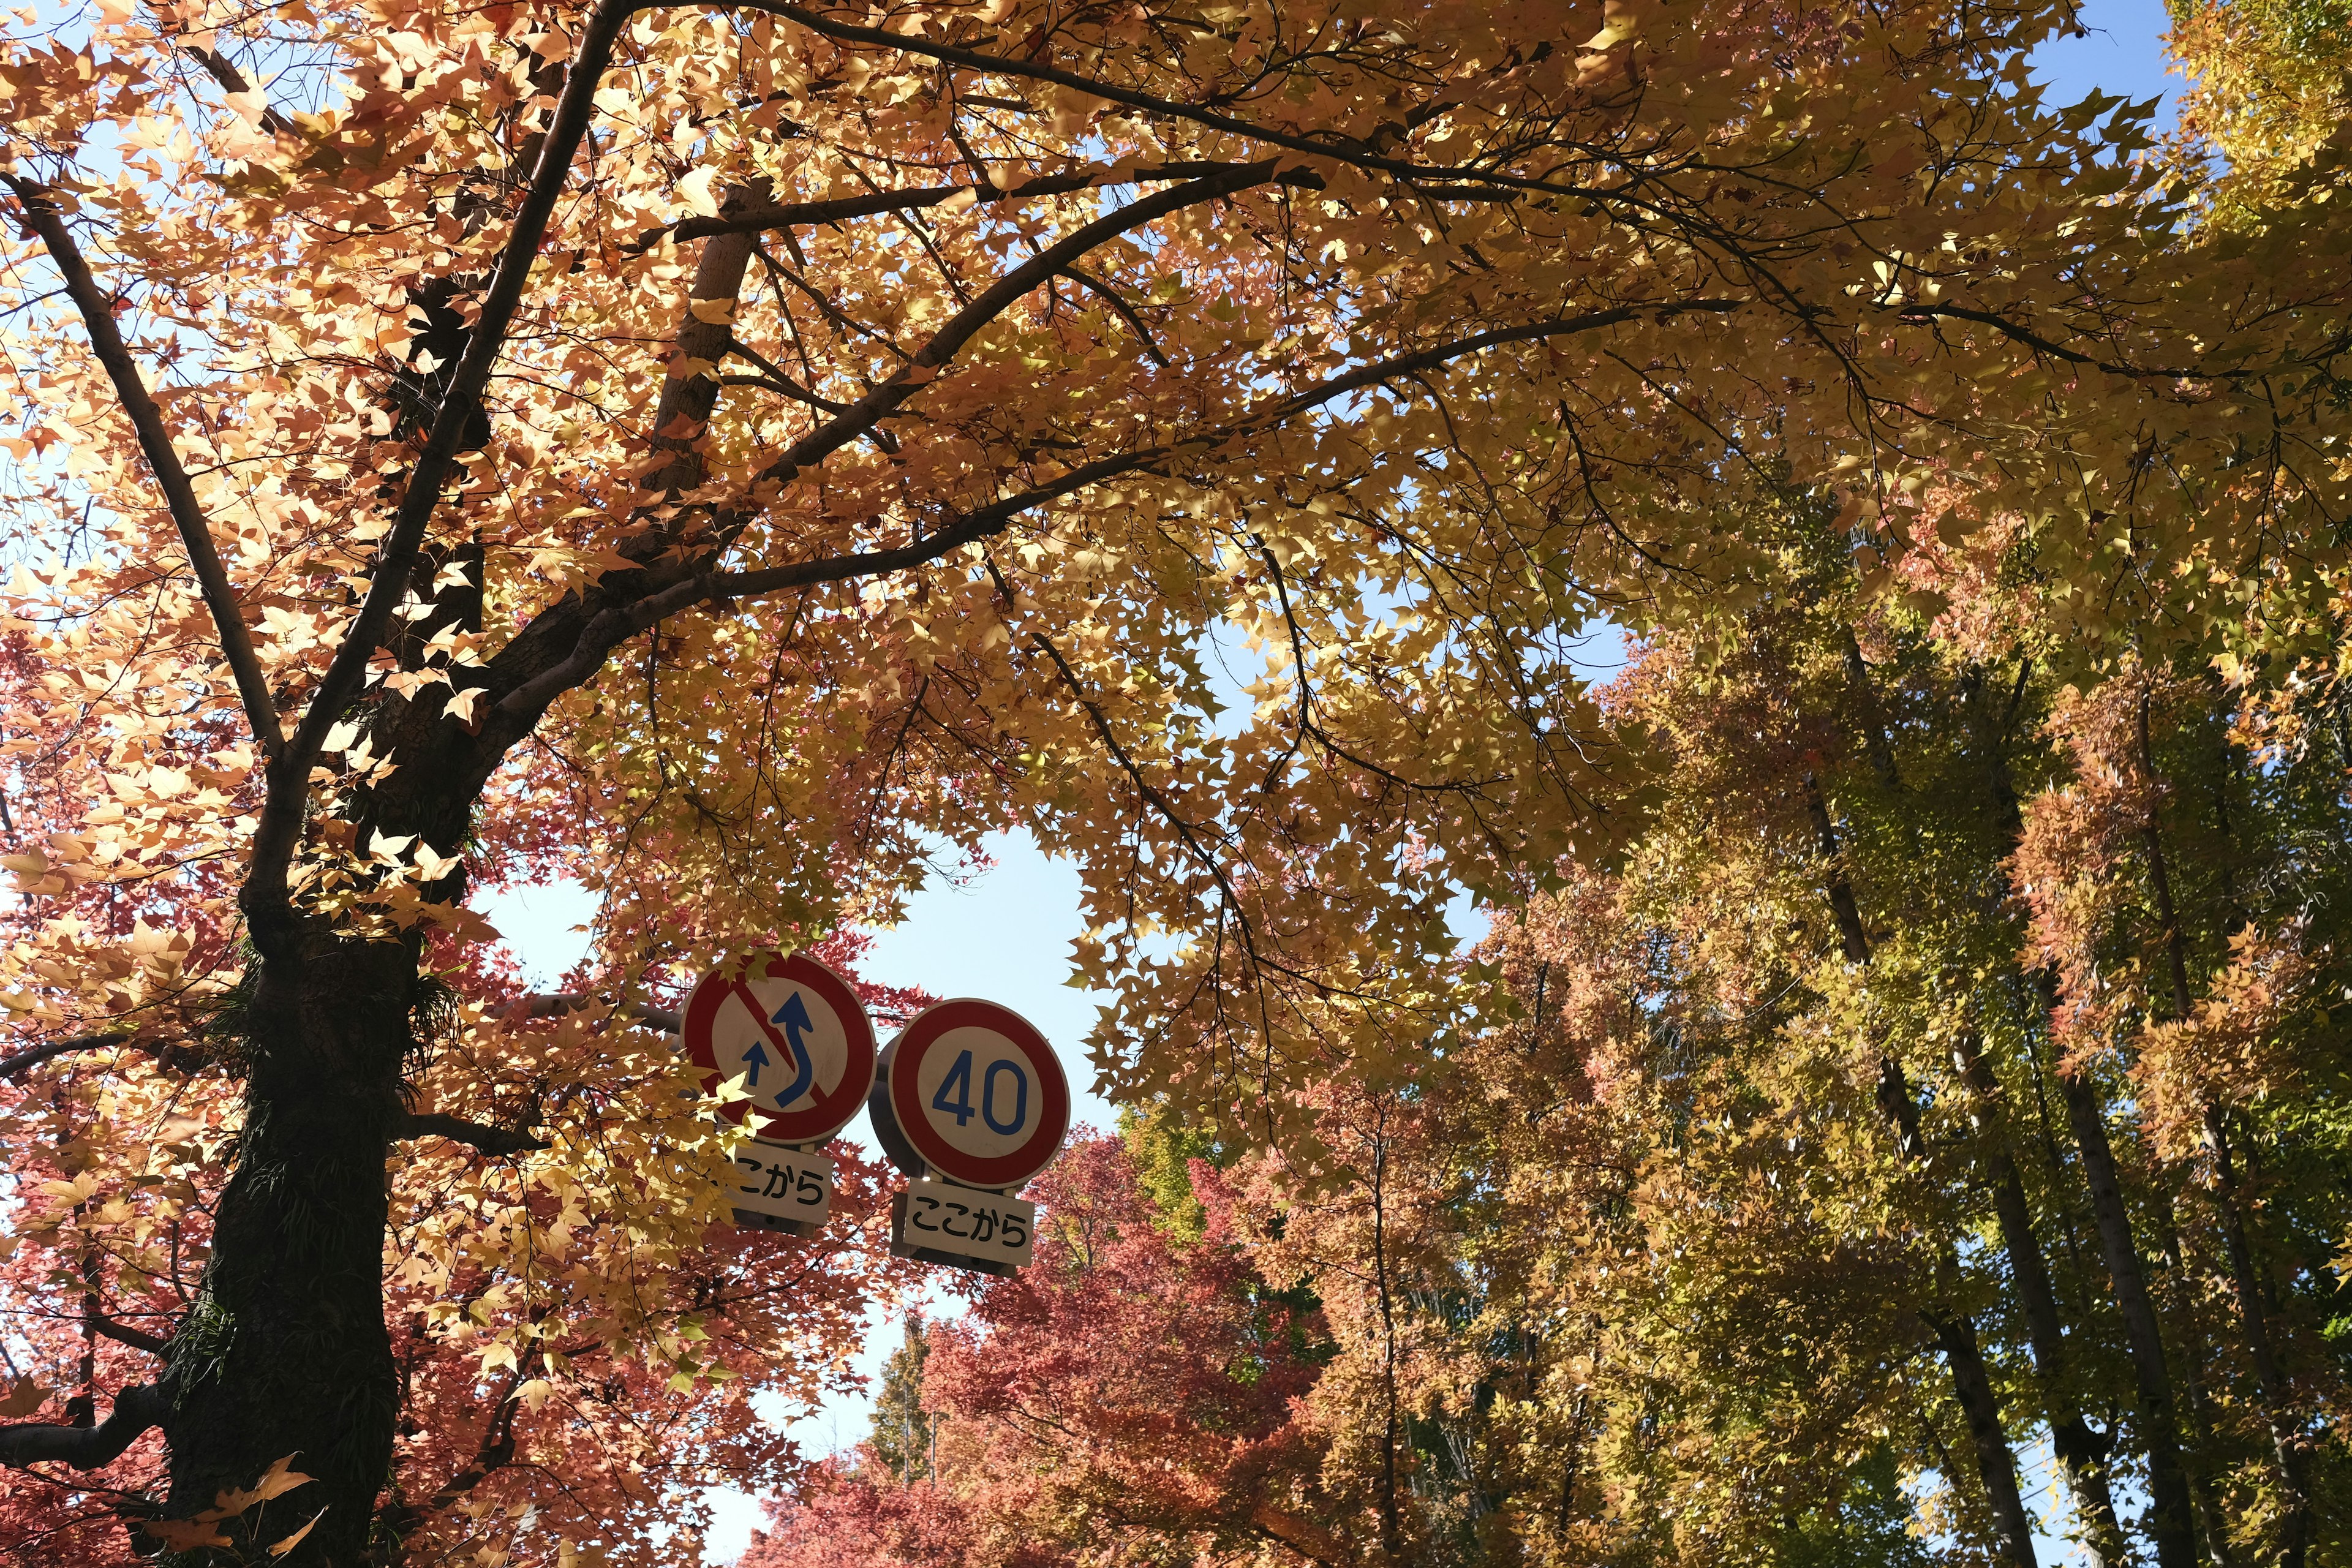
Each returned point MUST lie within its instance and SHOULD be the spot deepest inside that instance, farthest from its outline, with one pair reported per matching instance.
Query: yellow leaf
(695, 192)
(718, 313)
(279, 1478)
(275, 1481)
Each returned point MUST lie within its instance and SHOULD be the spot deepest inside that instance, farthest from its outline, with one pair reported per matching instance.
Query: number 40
(959, 1081)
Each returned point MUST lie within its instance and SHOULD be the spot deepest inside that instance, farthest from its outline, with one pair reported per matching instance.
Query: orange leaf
(186, 1534)
(280, 1549)
(275, 1481)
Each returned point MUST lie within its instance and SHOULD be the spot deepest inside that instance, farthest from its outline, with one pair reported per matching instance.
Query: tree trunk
(2168, 1521)
(1972, 1385)
(2080, 1451)
(2253, 1320)
(286, 1354)
(2013, 1529)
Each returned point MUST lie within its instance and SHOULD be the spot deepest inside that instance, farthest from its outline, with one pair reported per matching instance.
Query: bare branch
(1118, 303)
(834, 209)
(233, 80)
(123, 1333)
(556, 1006)
(136, 1411)
(45, 217)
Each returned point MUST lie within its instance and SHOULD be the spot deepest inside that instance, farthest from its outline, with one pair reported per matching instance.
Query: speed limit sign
(795, 1034)
(971, 1091)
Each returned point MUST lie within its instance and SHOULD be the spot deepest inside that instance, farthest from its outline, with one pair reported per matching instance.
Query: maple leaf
(695, 192)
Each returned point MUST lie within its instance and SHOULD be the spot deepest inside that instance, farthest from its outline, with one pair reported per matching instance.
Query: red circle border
(1003, 1172)
(831, 1113)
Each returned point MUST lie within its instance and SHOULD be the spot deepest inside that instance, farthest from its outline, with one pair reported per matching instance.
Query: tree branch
(123, 1333)
(556, 1006)
(833, 209)
(171, 1053)
(496, 1141)
(1479, 183)
(233, 80)
(45, 217)
(266, 894)
(518, 710)
(136, 1411)
(960, 328)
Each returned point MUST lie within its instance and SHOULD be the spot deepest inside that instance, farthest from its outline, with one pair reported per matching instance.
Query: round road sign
(971, 1091)
(796, 1035)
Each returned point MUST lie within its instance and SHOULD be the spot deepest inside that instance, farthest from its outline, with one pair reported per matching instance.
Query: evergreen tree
(902, 1428)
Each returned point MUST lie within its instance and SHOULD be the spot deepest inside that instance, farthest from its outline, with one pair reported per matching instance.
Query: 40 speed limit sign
(970, 1101)
(796, 1036)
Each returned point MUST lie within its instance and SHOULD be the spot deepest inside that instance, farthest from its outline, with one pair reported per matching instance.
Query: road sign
(940, 1222)
(972, 1092)
(796, 1035)
(780, 1188)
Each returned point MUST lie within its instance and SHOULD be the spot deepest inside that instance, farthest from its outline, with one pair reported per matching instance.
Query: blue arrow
(758, 1056)
(793, 1015)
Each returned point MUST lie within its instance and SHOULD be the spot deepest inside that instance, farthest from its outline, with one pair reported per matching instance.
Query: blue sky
(1007, 934)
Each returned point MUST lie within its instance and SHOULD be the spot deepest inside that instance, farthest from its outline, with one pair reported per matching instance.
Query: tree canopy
(733, 456)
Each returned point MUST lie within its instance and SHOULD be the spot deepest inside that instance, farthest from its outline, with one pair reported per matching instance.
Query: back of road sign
(795, 1034)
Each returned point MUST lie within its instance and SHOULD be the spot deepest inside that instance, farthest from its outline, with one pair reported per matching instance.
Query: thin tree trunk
(2253, 1318)
(1972, 1385)
(1957, 1336)
(1875, 741)
(2080, 1451)
(2199, 1412)
(2168, 1521)
(2245, 1279)
(2013, 1526)
(1392, 1524)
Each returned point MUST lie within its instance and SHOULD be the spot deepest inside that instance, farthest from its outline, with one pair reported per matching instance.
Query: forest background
(954, 940)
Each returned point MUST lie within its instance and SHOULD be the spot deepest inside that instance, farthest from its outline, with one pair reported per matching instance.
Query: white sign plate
(780, 1188)
(940, 1222)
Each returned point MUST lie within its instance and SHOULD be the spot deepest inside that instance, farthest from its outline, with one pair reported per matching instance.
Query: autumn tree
(575, 1365)
(722, 453)
(1137, 1391)
(901, 1439)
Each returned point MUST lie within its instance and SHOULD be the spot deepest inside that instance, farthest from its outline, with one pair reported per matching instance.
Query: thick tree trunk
(286, 1354)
